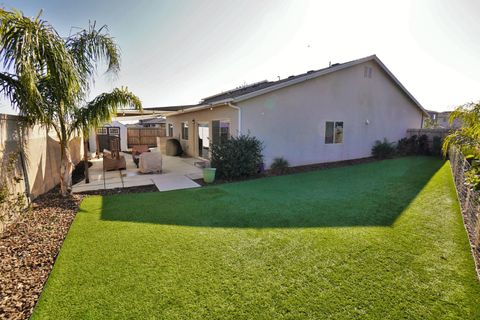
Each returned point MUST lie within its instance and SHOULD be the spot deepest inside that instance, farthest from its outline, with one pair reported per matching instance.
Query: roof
(230, 94)
(439, 112)
(171, 108)
(263, 87)
(152, 121)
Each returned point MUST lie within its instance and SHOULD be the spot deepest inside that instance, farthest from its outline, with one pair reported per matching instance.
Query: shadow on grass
(372, 194)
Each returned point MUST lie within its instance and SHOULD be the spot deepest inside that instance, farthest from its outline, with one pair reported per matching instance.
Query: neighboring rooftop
(156, 120)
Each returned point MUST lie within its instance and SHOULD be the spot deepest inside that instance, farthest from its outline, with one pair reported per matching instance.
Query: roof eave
(202, 107)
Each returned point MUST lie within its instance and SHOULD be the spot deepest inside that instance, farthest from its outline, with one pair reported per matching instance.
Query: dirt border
(28, 250)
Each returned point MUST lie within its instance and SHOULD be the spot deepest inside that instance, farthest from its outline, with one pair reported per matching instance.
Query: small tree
(48, 78)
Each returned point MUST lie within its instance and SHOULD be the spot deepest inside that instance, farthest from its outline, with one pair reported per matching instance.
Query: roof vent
(291, 77)
(335, 64)
(311, 71)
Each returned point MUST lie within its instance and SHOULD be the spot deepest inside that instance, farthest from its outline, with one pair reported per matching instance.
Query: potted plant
(209, 174)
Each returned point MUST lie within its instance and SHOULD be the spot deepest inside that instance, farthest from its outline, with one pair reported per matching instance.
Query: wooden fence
(146, 136)
(468, 197)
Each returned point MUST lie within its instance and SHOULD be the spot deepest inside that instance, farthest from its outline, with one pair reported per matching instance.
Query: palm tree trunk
(85, 158)
(65, 169)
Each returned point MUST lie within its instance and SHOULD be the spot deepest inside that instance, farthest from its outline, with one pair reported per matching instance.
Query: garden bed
(28, 249)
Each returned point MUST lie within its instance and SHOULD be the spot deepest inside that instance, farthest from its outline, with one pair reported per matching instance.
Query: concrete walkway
(181, 168)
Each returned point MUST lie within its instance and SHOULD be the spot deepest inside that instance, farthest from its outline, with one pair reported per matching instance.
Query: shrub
(414, 146)
(383, 149)
(437, 146)
(422, 147)
(279, 166)
(407, 146)
(238, 157)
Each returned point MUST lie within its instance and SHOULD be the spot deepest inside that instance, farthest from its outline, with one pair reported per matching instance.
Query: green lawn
(382, 240)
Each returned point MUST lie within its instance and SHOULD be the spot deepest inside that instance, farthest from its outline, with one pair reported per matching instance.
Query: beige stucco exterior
(291, 121)
(223, 112)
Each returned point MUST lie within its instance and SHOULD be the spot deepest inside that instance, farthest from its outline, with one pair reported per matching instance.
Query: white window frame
(184, 126)
(334, 132)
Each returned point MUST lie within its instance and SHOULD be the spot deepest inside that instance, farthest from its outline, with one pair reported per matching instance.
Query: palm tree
(468, 136)
(47, 78)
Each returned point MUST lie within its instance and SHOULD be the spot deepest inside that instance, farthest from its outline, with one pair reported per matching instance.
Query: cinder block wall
(430, 133)
(41, 153)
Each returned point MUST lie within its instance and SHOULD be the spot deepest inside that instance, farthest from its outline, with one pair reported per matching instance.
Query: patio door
(203, 140)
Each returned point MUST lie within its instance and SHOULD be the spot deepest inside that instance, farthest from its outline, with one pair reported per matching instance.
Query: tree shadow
(372, 194)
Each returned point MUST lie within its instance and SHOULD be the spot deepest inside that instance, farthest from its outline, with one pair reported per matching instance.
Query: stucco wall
(193, 118)
(291, 121)
(42, 154)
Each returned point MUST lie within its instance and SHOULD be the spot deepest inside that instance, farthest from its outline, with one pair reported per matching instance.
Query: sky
(177, 52)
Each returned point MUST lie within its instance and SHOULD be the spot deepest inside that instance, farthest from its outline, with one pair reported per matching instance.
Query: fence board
(147, 136)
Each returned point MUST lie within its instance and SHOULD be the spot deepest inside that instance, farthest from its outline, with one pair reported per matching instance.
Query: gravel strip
(28, 249)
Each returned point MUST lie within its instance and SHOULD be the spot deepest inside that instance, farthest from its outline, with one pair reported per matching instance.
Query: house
(441, 120)
(332, 114)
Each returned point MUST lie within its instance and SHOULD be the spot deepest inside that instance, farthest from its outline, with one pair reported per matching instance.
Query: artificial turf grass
(383, 239)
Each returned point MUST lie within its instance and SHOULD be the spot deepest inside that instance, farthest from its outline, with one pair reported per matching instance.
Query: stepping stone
(167, 182)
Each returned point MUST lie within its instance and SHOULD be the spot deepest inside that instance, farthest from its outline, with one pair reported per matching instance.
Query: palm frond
(32, 50)
(468, 136)
(103, 107)
(91, 46)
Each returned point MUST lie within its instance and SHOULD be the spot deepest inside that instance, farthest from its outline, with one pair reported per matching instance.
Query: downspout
(231, 105)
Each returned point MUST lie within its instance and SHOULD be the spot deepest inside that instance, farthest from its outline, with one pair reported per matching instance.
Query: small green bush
(383, 149)
(407, 146)
(413, 146)
(279, 166)
(437, 146)
(236, 158)
(422, 147)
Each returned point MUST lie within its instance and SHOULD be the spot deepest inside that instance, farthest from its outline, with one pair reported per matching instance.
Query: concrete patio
(177, 173)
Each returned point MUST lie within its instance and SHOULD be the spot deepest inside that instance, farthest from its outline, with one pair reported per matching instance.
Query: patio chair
(137, 150)
(113, 162)
(150, 162)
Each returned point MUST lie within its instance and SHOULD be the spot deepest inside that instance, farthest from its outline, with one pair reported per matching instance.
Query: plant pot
(209, 175)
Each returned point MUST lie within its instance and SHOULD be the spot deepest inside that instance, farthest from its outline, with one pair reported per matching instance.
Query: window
(170, 130)
(185, 130)
(220, 131)
(367, 72)
(333, 132)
